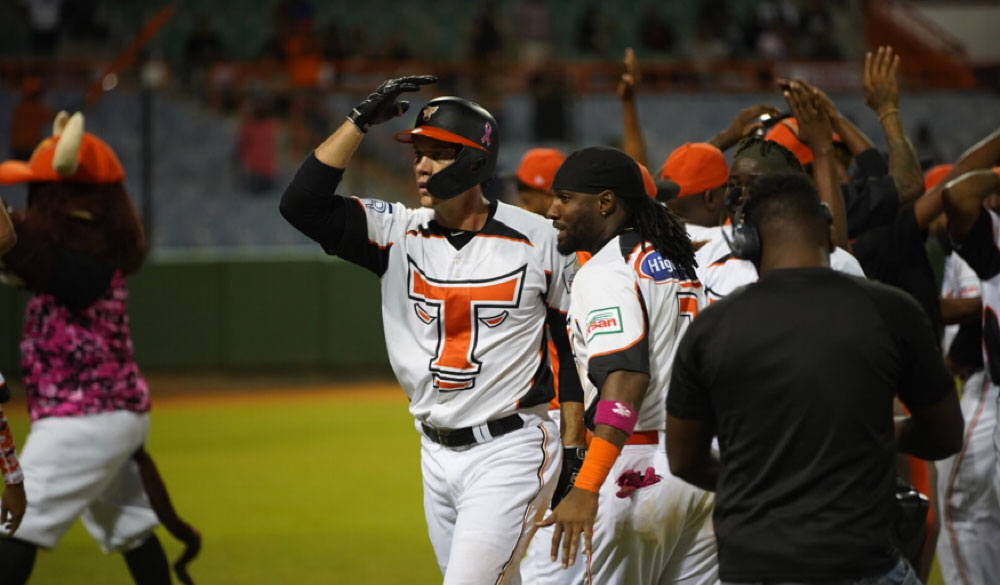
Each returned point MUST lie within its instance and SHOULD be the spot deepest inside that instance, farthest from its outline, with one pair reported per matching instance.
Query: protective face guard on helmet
(458, 121)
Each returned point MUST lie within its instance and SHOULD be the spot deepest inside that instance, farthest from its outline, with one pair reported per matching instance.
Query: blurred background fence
(212, 106)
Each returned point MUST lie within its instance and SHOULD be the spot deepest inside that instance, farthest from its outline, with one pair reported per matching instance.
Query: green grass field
(323, 490)
(289, 488)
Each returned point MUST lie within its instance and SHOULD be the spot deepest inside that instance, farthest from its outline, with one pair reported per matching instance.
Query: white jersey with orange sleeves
(721, 273)
(629, 308)
(463, 313)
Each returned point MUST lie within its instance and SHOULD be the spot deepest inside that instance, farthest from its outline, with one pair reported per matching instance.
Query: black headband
(597, 169)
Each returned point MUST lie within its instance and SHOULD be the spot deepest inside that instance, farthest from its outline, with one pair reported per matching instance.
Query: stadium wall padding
(247, 314)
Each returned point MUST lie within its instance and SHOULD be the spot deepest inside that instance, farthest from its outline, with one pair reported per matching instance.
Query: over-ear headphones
(745, 239)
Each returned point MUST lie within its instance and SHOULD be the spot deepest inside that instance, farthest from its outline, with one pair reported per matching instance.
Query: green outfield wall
(263, 312)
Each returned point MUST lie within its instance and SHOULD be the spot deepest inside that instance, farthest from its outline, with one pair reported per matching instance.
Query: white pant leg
(496, 491)
(660, 534)
(70, 463)
(968, 547)
(537, 568)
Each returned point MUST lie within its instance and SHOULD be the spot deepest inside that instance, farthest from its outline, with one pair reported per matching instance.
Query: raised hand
(881, 89)
(381, 105)
(815, 130)
(630, 77)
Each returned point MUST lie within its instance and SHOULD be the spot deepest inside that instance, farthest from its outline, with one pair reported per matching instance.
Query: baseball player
(630, 304)
(969, 551)
(719, 271)
(467, 288)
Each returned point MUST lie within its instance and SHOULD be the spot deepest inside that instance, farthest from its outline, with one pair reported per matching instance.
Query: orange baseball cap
(934, 175)
(647, 180)
(95, 161)
(696, 167)
(538, 167)
(786, 133)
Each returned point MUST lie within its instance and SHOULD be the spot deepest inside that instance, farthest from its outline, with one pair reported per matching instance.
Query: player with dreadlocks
(719, 270)
(629, 305)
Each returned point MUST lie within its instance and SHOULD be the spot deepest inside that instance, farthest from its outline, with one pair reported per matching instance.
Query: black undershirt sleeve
(570, 389)
(310, 205)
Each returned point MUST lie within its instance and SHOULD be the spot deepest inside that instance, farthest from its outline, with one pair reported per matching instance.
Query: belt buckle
(442, 436)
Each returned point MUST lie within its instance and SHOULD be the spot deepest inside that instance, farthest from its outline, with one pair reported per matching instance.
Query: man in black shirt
(796, 375)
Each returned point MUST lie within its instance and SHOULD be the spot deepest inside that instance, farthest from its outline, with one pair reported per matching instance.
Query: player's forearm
(904, 166)
(828, 186)
(573, 430)
(634, 144)
(963, 200)
(956, 311)
(854, 139)
(339, 147)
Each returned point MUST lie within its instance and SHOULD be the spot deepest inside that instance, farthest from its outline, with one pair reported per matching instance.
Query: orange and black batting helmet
(458, 121)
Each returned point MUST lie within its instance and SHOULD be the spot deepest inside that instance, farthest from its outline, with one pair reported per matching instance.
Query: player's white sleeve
(843, 261)
(607, 313)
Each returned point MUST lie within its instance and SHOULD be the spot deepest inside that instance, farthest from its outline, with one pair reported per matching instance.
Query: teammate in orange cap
(534, 178)
(700, 172)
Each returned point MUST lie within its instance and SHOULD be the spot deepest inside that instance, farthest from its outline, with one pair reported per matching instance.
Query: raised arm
(882, 96)
(745, 122)
(308, 202)
(633, 143)
(982, 155)
(855, 140)
(816, 133)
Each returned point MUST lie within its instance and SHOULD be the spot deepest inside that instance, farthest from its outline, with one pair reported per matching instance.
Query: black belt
(473, 435)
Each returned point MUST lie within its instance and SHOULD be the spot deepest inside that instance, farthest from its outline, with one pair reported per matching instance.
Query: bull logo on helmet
(486, 134)
(428, 112)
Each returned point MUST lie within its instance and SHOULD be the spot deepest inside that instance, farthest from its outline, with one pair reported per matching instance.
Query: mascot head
(78, 212)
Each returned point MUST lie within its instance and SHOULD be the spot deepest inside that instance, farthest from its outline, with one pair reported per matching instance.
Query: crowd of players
(688, 375)
(780, 309)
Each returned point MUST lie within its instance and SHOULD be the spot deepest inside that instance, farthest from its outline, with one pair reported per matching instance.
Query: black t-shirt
(870, 198)
(798, 373)
(895, 254)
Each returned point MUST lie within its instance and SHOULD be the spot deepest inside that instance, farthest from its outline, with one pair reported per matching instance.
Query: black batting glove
(571, 463)
(381, 105)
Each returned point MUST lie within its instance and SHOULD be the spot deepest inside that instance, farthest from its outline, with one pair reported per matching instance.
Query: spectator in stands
(257, 148)
(805, 486)
(202, 49)
(44, 20)
(655, 32)
(29, 121)
(534, 178)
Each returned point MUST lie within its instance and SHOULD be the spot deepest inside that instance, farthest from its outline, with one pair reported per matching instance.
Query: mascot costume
(77, 239)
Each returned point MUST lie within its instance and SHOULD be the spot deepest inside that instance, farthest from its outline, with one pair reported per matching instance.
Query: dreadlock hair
(657, 224)
(766, 150)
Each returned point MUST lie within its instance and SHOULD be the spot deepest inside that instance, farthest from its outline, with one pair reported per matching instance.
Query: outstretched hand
(381, 105)
(573, 517)
(881, 88)
(191, 538)
(815, 130)
(630, 77)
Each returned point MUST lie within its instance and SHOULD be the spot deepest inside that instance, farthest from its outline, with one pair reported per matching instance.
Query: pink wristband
(616, 414)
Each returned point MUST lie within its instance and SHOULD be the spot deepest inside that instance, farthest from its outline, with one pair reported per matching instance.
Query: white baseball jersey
(721, 273)
(969, 482)
(628, 310)
(959, 282)
(464, 324)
